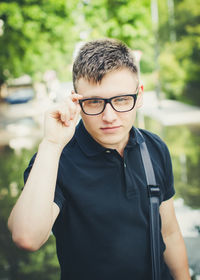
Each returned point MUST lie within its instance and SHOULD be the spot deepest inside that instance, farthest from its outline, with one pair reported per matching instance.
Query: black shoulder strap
(154, 193)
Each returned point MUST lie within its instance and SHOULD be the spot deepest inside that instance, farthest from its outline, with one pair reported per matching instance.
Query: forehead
(117, 82)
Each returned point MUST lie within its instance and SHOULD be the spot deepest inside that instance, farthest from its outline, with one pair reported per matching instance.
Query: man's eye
(121, 99)
(93, 102)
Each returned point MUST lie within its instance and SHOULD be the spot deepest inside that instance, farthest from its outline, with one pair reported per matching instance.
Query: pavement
(169, 112)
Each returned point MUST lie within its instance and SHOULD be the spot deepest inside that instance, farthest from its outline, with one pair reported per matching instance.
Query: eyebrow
(97, 96)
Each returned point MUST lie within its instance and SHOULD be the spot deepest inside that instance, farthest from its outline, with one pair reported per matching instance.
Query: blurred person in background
(87, 182)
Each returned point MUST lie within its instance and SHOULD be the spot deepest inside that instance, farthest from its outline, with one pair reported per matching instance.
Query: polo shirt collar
(135, 138)
(91, 148)
(85, 141)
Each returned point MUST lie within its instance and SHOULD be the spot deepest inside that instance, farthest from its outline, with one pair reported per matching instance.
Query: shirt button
(124, 164)
(108, 152)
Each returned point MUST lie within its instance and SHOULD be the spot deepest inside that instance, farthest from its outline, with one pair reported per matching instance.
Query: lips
(110, 128)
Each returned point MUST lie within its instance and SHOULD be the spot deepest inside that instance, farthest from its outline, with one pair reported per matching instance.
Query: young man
(87, 183)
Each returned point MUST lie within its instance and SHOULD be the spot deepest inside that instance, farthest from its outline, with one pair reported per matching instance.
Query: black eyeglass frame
(108, 100)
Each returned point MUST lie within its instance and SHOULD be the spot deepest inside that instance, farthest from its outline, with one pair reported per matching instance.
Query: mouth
(110, 128)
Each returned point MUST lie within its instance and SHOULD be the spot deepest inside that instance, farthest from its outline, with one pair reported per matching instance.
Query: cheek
(90, 122)
(128, 117)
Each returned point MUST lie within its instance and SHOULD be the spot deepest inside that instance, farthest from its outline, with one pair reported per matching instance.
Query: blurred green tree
(126, 20)
(180, 49)
(40, 35)
(35, 36)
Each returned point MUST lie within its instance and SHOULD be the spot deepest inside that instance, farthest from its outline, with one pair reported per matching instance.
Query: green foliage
(37, 35)
(171, 72)
(16, 264)
(129, 21)
(180, 53)
(41, 35)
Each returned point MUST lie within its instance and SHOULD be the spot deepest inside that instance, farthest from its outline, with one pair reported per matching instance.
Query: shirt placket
(130, 187)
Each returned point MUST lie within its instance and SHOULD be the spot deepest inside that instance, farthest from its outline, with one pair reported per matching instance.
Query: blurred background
(38, 42)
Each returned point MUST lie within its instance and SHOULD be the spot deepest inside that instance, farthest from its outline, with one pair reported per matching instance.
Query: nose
(109, 114)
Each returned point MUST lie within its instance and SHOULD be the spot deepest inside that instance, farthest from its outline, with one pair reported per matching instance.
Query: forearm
(31, 218)
(175, 256)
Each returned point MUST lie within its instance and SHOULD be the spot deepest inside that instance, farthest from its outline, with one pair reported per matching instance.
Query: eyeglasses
(121, 103)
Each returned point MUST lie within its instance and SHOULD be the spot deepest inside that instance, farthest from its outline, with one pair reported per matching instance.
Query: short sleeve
(59, 198)
(28, 169)
(169, 178)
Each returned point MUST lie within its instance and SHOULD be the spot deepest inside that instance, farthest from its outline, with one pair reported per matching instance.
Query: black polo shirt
(102, 230)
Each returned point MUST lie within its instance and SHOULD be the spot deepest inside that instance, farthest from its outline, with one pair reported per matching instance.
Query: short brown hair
(99, 57)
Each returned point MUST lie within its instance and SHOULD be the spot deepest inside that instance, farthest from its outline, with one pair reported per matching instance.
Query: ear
(140, 96)
(72, 92)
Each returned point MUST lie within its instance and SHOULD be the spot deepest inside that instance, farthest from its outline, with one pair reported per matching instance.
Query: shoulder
(154, 142)
(158, 151)
(151, 137)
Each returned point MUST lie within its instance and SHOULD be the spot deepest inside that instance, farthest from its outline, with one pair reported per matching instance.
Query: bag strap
(154, 194)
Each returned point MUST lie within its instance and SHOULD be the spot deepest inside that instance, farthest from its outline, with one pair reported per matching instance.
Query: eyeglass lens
(97, 105)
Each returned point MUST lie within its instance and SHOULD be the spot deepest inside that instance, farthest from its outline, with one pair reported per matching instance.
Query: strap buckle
(153, 191)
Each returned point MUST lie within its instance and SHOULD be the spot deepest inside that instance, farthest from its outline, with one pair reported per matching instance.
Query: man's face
(110, 128)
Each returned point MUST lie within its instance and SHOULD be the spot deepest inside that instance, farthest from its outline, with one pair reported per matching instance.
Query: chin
(110, 140)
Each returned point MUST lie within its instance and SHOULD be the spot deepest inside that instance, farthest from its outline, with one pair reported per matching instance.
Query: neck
(119, 147)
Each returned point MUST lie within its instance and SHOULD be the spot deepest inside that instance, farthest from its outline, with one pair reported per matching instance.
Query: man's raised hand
(60, 121)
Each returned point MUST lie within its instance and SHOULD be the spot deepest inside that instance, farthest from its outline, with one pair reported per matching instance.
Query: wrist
(52, 147)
